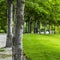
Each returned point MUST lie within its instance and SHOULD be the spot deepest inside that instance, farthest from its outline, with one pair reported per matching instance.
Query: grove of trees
(38, 16)
(15, 40)
(41, 13)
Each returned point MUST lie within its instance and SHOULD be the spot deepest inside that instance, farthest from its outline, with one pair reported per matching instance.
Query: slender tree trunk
(17, 47)
(54, 29)
(59, 29)
(26, 26)
(40, 28)
(35, 27)
(44, 28)
(9, 28)
(38, 25)
(14, 17)
(49, 29)
(29, 25)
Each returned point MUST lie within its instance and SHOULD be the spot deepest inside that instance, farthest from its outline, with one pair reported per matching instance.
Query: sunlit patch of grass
(2, 49)
(5, 55)
(42, 47)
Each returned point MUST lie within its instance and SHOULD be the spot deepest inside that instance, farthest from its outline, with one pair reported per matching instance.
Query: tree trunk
(17, 48)
(26, 26)
(38, 25)
(9, 28)
(35, 27)
(40, 28)
(54, 29)
(59, 29)
(44, 28)
(14, 17)
(49, 29)
(29, 29)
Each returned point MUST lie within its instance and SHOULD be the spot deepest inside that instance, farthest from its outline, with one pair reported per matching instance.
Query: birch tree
(9, 22)
(17, 48)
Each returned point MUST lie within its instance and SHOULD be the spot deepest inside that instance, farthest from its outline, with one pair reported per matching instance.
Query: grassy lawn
(42, 47)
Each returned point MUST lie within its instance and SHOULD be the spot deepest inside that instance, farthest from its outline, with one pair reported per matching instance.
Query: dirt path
(2, 40)
(5, 53)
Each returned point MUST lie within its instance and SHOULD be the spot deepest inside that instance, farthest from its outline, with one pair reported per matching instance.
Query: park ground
(36, 47)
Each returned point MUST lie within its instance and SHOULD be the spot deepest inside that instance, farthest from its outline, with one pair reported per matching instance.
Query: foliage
(41, 10)
(44, 9)
(3, 14)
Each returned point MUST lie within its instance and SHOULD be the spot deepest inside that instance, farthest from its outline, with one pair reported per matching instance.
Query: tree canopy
(43, 10)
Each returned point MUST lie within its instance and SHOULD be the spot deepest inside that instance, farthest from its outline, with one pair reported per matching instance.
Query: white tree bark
(14, 17)
(9, 22)
(17, 47)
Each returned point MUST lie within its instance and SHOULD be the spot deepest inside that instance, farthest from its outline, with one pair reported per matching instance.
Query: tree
(9, 21)
(17, 48)
(3, 19)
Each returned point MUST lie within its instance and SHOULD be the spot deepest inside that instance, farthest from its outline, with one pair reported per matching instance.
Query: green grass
(2, 49)
(42, 47)
(5, 55)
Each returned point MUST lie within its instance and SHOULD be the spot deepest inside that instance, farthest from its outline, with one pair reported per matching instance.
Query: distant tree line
(40, 15)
